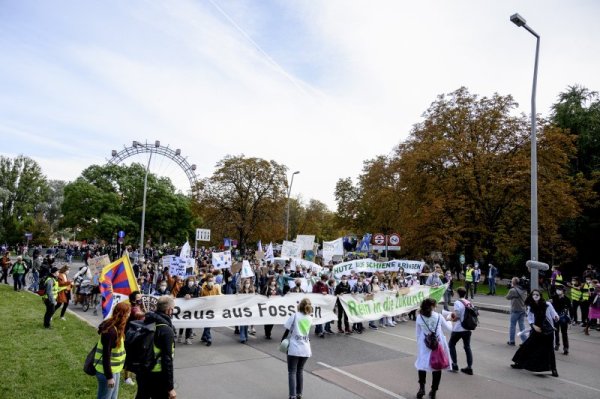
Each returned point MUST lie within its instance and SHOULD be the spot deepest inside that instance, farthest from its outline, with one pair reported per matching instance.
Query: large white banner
(290, 249)
(298, 263)
(306, 242)
(221, 260)
(247, 309)
(332, 248)
(371, 266)
(361, 308)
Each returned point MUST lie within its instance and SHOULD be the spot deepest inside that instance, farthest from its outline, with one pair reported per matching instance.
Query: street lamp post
(520, 22)
(287, 218)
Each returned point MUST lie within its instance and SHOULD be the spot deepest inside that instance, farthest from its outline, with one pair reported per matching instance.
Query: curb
(493, 308)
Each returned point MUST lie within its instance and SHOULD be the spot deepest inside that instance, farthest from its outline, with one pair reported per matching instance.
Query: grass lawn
(482, 288)
(41, 363)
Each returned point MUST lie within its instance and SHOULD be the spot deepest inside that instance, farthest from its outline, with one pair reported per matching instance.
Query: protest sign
(297, 264)
(388, 303)
(371, 266)
(305, 242)
(332, 248)
(97, 263)
(305, 283)
(290, 249)
(221, 260)
(246, 271)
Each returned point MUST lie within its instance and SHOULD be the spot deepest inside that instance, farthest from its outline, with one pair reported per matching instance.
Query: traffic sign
(121, 234)
(379, 239)
(394, 239)
(202, 234)
(462, 259)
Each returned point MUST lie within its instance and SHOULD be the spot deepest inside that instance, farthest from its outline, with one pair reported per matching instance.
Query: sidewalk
(492, 303)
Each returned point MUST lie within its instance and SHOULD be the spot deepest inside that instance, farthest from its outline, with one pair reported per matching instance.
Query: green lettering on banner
(437, 293)
(358, 309)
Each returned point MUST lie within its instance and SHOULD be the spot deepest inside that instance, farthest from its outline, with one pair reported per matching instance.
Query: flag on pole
(116, 278)
(185, 250)
(269, 255)
(260, 249)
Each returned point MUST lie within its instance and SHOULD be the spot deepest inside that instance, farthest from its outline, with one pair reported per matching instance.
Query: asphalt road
(378, 364)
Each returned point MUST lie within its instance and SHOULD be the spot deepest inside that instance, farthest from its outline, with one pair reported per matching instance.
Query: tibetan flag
(116, 280)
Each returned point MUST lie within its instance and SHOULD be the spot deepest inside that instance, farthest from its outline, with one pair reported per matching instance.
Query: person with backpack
(460, 332)
(50, 295)
(156, 382)
(430, 338)
(110, 351)
(137, 314)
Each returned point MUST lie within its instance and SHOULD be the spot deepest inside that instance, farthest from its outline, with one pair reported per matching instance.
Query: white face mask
(535, 297)
(190, 284)
(559, 292)
(163, 287)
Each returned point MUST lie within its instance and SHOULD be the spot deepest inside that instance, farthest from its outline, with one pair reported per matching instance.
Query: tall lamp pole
(520, 22)
(156, 144)
(287, 218)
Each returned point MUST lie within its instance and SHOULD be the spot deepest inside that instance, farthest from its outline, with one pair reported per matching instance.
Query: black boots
(421, 392)
(432, 393)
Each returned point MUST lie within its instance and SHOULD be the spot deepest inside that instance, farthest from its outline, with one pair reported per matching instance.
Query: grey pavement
(378, 364)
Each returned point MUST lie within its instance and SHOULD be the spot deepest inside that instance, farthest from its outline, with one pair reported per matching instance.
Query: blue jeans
(36, 280)
(514, 317)
(492, 285)
(206, 335)
(295, 374)
(243, 333)
(104, 392)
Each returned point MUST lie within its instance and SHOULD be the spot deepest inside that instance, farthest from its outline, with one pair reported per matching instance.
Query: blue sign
(121, 234)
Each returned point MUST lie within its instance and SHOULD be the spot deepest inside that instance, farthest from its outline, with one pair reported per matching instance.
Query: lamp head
(518, 20)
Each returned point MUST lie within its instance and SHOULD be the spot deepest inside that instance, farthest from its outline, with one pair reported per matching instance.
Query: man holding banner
(209, 289)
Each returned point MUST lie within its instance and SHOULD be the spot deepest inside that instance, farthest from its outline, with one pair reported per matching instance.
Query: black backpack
(471, 317)
(139, 346)
(431, 339)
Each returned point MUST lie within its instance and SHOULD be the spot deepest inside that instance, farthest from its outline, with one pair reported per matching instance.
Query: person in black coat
(343, 288)
(562, 305)
(158, 383)
(189, 290)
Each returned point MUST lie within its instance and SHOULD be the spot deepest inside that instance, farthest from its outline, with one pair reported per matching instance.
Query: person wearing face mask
(162, 289)
(209, 289)
(247, 288)
(297, 286)
(342, 288)
(594, 313)
(447, 279)
(188, 291)
(372, 288)
(537, 352)
(270, 290)
(137, 313)
(562, 305)
(586, 290)
(359, 288)
(575, 297)
(159, 382)
(321, 287)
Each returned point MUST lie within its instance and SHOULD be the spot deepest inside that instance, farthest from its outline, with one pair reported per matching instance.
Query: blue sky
(319, 86)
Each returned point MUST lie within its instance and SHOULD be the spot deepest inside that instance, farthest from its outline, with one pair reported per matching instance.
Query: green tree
(106, 199)
(23, 187)
(245, 199)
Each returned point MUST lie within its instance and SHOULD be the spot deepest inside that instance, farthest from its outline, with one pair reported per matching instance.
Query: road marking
(368, 383)
(395, 335)
(579, 385)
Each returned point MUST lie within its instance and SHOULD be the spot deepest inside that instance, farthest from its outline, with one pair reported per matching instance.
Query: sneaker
(129, 381)
(340, 331)
(253, 332)
(566, 352)
(455, 367)
(359, 331)
(510, 343)
(208, 343)
(348, 332)
(467, 370)
(373, 327)
(404, 319)
(556, 347)
(179, 339)
(321, 335)
(188, 341)
(329, 332)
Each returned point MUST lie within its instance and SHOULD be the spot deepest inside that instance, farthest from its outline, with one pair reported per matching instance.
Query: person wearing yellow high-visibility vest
(575, 297)
(110, 351)
(469, 279)
(586, 290)
(158, 383)
(51, 295)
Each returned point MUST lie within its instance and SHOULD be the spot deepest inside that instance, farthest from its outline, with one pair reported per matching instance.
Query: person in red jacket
(320, 287)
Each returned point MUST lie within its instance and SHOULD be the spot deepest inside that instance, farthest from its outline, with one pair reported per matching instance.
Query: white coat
(422, 362)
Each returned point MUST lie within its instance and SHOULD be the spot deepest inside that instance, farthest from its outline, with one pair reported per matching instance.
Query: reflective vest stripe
(586, 291)
(117, 357)
(55, 289)
(575, 294)
(469, 277)
(157, 354)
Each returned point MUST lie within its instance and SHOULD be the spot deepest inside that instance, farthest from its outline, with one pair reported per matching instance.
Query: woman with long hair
(110, 352)
(246, 288)
(298, 329)
(537, 352)
(429, 321)
(64, 290)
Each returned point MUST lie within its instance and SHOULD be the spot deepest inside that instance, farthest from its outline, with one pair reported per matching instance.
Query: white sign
(333, 248)
(394, 239)
(290, 249)
(246, 271)
(371, 266)
(221, 260)
(297, 264)
(305, 242)
(202, 234)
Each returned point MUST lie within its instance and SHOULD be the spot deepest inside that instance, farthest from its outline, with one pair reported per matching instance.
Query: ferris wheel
(173, 156)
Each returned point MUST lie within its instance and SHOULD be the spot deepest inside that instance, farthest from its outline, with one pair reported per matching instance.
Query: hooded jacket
(164, 339)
